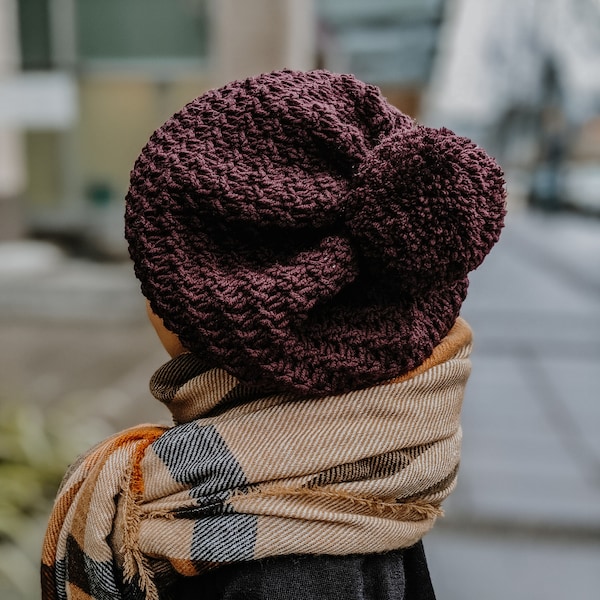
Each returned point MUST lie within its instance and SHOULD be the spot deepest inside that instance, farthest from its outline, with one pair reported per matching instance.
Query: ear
(168, 339)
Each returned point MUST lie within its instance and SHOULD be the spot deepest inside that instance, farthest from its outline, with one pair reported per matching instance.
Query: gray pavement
(524, 521)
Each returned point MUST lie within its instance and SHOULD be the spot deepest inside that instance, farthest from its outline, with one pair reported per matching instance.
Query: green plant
(36, 446)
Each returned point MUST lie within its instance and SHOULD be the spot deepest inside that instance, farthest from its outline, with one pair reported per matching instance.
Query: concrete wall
(12, 175)
(262, 35)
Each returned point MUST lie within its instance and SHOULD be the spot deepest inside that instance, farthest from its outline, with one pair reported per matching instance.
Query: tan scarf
(241, 477)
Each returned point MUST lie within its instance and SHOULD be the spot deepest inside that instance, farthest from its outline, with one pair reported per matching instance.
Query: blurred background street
(82, 86)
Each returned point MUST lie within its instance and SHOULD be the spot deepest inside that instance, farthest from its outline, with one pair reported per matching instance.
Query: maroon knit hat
(301, 233)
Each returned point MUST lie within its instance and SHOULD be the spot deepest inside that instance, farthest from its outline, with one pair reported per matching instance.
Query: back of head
(301, 233)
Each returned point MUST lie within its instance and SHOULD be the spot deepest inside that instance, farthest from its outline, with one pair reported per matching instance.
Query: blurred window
(381, 41)
(34, 27)
(141, 29)
(111, 30)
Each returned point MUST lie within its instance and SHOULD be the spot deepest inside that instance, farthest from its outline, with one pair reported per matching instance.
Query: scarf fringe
(135, 565)
(414, 510)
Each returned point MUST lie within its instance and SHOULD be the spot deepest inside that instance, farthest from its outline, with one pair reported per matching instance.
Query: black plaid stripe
(373, 467)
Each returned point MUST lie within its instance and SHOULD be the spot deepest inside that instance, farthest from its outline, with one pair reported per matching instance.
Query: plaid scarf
(243, 476)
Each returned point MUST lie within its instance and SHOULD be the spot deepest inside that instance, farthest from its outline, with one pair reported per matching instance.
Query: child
(304, 250)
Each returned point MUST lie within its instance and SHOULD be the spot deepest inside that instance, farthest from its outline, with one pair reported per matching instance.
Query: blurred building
(11, 143)
(99, 77)
(523, 78)
(392, 43)
(83, 83)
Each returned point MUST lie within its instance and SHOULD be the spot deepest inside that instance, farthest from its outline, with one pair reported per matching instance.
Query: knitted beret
(303, 234)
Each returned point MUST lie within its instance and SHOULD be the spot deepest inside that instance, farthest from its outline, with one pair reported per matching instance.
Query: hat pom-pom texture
(300, 232)
(425, 207)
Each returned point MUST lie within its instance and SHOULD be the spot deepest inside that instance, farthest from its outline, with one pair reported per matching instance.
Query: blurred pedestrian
(304, 249)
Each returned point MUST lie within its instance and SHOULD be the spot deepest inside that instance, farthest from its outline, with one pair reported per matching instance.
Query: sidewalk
(524, 522)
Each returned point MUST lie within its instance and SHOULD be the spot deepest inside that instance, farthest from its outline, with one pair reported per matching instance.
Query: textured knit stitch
(243, 476)
(301, 233)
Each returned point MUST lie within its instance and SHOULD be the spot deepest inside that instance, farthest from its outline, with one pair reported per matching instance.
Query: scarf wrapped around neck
(243, 476)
